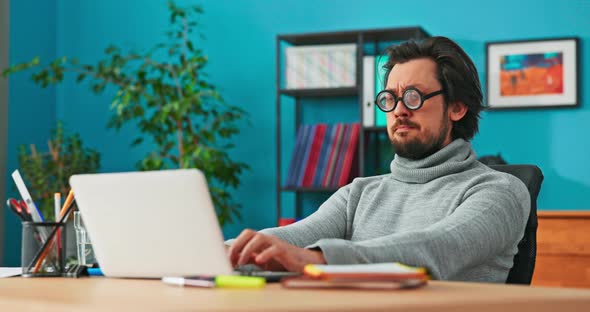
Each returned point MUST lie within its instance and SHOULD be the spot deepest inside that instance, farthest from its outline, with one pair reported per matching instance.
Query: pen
(26, 196)
(56, 208)
(219, 281)
(56, 204)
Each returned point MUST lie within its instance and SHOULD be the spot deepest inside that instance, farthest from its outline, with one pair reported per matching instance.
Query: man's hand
(271, 253)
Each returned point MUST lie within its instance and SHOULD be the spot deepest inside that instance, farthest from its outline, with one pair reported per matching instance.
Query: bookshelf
(368, 42)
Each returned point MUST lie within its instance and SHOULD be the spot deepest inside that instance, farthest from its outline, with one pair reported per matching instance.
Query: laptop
(153, 224)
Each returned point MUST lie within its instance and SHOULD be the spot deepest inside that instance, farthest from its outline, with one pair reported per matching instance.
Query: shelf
(308, 189)
(383, 35)
(375, 129)
(395, 34)
(321, 92)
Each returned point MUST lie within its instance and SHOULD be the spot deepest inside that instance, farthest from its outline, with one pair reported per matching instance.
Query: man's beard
(416, 149)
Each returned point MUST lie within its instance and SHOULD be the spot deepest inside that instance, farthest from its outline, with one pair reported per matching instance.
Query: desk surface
(103, 294)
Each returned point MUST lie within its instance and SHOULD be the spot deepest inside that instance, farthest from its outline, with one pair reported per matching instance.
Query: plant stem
(172, 73)
(179, 138)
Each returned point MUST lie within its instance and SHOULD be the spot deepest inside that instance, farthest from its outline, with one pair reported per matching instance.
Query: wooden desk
(103, 294)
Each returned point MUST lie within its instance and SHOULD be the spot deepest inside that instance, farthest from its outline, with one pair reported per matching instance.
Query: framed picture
(532, 73)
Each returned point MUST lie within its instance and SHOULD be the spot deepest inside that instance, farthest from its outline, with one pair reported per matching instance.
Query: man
(438, 208)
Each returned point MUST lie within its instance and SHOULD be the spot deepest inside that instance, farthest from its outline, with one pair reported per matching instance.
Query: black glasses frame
(401, 98)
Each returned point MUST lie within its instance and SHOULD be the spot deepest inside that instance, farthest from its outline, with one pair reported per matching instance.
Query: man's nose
(401, 110)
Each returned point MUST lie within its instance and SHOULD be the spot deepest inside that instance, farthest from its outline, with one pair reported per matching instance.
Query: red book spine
(314, 155)
(332, 156)
(349, 156)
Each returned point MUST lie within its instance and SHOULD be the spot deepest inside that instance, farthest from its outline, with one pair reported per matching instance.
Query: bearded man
(438, 208)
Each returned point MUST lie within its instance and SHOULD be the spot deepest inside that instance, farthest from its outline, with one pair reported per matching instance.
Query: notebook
(153, 224)
(360, 276)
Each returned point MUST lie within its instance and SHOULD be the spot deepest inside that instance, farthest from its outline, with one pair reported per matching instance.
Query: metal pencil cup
(43, 251)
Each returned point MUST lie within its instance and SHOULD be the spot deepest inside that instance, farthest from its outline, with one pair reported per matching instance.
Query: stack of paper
(359, 276)
(9, 272)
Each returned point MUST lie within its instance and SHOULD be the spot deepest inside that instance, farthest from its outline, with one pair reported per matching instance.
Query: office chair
(524, 260)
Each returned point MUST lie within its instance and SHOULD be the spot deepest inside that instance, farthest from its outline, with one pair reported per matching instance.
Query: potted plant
(47, 172)
(169, 100)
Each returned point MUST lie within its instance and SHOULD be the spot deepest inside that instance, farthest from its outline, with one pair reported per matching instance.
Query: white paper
(8, 272)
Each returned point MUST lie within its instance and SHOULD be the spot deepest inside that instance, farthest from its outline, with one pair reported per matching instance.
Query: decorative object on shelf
(48, 172)
(320, 66)
(533, 73)
(171, 102)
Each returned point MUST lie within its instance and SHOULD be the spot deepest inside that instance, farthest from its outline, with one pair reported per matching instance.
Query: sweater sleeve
(489, 221)
(328, 222)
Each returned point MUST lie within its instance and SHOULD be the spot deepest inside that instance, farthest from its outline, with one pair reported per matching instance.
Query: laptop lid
(151, 224)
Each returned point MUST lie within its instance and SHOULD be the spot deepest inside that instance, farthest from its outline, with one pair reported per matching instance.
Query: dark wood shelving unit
(322, 92)
(361, 38)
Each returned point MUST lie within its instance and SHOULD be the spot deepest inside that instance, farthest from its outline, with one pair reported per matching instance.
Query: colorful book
(333, 155)
(307, 150)
(295, 156)
(314, 155)
(324, 155)
(351, 151)
(340, 158)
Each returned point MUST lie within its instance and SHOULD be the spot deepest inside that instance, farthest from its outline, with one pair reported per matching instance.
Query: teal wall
(240, 43)
(31, 110)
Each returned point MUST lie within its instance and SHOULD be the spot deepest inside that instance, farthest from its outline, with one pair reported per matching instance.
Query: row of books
(324, 155)
(320, 66)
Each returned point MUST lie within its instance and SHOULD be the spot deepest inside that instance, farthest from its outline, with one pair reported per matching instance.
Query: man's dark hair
(456, 73)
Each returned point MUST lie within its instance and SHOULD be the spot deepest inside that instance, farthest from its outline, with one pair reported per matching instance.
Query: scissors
(20, 208)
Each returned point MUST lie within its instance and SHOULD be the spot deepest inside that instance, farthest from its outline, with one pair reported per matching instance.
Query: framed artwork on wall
(532, 73)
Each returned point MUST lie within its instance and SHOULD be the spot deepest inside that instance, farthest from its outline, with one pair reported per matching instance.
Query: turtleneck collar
(455, 157)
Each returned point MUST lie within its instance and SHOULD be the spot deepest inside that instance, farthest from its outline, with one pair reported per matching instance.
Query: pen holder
(43, 253)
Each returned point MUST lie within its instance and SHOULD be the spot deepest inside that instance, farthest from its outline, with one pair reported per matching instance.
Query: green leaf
(137, 141)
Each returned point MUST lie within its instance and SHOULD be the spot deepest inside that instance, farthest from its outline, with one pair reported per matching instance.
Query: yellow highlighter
(236, 281)
(220, 281)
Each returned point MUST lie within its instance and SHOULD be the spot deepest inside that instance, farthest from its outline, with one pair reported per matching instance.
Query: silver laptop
(151, 224)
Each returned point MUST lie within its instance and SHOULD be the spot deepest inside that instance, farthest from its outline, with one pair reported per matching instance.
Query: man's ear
(457, 110)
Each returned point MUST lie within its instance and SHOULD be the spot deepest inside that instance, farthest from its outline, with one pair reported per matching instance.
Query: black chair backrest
(524, 260)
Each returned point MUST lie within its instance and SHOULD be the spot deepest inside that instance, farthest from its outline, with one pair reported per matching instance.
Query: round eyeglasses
(412, 98)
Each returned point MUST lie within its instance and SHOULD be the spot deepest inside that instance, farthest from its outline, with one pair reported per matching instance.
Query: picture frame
(538, 73)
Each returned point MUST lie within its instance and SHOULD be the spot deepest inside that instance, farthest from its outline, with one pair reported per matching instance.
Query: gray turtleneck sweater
(447, 212)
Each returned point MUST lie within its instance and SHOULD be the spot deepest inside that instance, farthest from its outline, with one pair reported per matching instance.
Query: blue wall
(31, 110)
(240, 43)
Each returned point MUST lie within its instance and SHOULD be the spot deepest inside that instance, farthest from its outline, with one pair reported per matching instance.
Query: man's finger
(239, 243)
(268, 254)
(255, 245)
